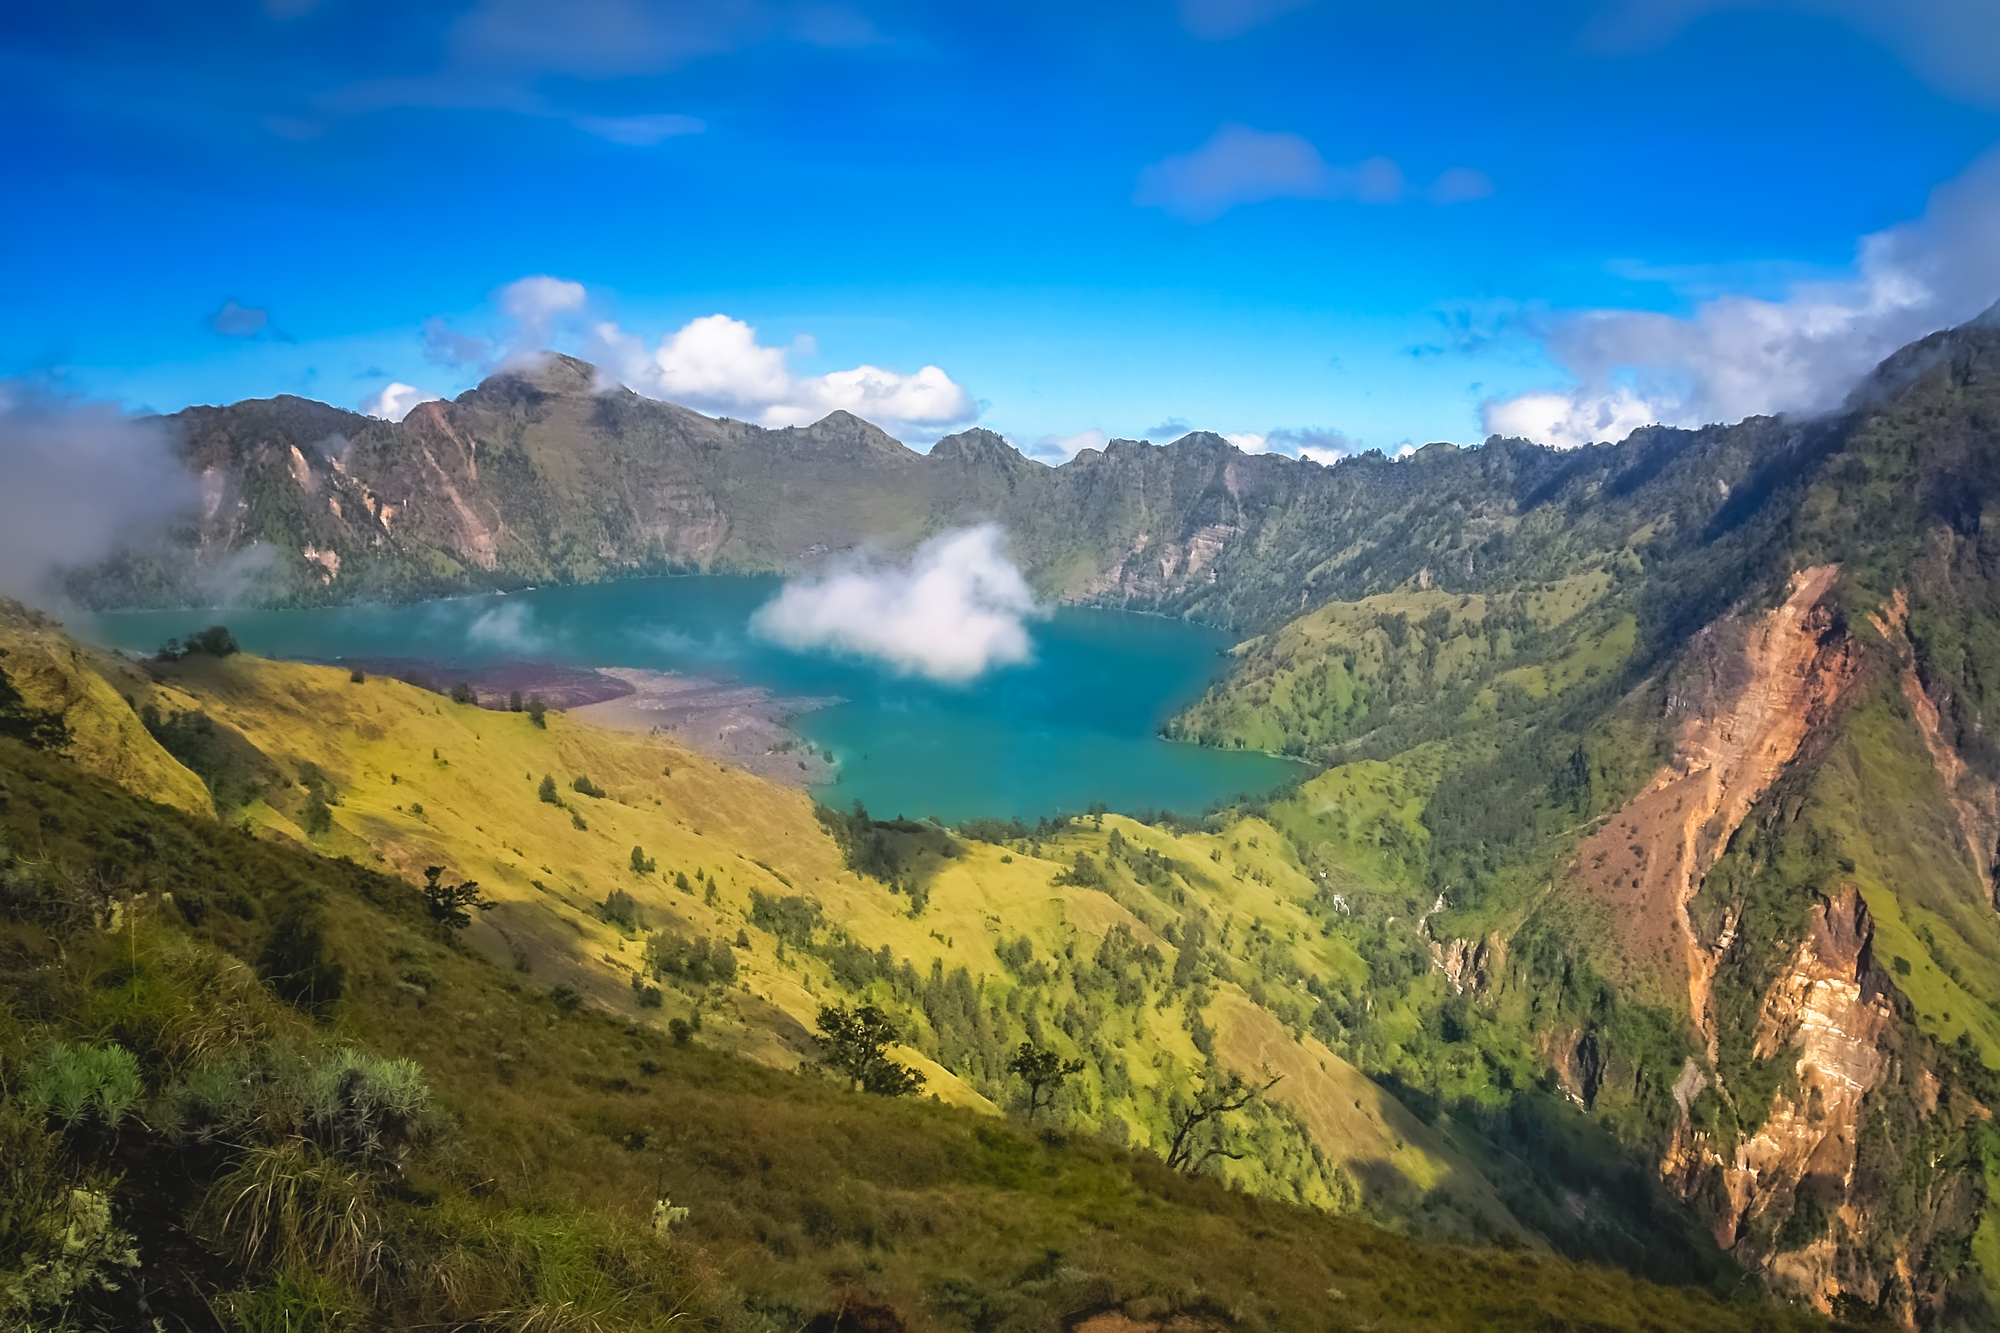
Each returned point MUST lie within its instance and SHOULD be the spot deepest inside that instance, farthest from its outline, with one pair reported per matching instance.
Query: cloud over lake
(958, 608)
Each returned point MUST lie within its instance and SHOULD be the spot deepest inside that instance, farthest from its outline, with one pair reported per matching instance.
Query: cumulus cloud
(79, 482)
(1738, 356)
(1240, 165)
(958, 609)
(393, 401)
(716, 364)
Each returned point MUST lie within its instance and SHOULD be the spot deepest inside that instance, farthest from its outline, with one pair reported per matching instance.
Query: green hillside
(248, 1086)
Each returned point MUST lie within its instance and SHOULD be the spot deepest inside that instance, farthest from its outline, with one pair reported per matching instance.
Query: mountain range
(1647, 874)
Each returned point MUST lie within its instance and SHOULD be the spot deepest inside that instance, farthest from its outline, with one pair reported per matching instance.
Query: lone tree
(1043, 1071)
(641, 863)
(537, 711)
(448, 902)
(547, 791)
(461, 693)
(514, 701)
(852, 1043)
(1212, 1102)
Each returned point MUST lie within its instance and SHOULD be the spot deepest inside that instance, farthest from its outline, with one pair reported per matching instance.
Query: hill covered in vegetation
(1642, 910)
(254, 1080)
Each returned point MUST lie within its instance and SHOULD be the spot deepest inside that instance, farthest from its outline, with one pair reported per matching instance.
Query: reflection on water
(1077, 724)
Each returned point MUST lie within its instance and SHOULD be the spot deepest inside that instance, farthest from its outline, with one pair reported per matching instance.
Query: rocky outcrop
(1749, 692)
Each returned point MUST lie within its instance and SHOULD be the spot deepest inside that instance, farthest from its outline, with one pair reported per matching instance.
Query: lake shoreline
(746, 725)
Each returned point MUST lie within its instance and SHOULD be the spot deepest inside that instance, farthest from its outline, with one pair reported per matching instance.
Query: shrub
(365, 1111)
(357, 676)
(641, 863)
(461, 693)
(621, 909)
(295, 961)
(700, 959)
(83, 1085)
(585, 787)
(537, 711)
(792, 918)
(33, 727)
(547, 791)
(317, 817)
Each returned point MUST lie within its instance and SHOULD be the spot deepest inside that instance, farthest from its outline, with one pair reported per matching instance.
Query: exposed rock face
(1751, 691)
(1827, 1013)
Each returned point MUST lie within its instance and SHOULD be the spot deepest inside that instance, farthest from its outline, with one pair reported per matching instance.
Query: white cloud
(1315, 444)
(536, 305)
(1738, 356)
(394, 400)
(1241, 165)
(78, 483)
(1570, 420)
(716, 364)
(1060, 449)
(958, 609)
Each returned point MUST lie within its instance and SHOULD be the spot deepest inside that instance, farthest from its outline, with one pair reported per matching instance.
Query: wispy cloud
(234, 320)
(79, 482)
(1214, 20)
(1240, 165)
(957, 609)
(639, 131)
(1738, 356)
(1953, 45)
(509, 627)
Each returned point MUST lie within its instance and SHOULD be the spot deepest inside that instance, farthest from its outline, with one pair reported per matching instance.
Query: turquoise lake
(1077, 724)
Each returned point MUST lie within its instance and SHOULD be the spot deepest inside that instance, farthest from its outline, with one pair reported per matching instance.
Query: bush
(362, 1110)
(461, 693)
(547, 791)
(585, 787)
(699, 959)
(317, 816)
(641, 863)
(537, 711)
(31, 726)
(83, 1085)
(621, 909)
(295, 960)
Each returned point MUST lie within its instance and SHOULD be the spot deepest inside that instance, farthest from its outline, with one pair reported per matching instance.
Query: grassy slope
(804, 1198)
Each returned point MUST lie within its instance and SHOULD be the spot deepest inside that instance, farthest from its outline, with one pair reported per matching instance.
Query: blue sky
(1311, 225)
